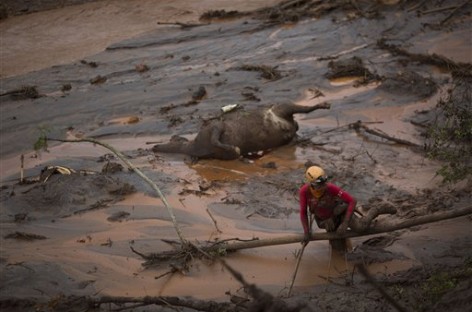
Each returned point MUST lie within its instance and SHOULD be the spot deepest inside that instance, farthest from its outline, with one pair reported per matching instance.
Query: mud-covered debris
(24, 236)
(232, 201)
(3, 12)
(205, 185)
(108, 243)
(315, 93)
(221, 14)
(102, 203)
(141, 68)
(269, 165)
(199, 94)
(118, 216)
(456, 68)
(352, 67)
(20, 217)
(409, 82)
(6, 192)
(64, 195)
(112, 167)
(66, 87)
(166, 109)
(267, 72)
(23, 93)
(48, 171)
(249, 96)
(121, 189)
(373, 250)
(91, 63)
(199, 193)
(98, 80)
(127, 120)
(106, 157)
(291, 11)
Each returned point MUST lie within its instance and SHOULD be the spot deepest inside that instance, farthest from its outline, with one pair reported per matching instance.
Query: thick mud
(73, 235)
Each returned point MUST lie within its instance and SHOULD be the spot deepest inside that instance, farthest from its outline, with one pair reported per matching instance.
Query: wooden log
(377, 229)
(223, 247)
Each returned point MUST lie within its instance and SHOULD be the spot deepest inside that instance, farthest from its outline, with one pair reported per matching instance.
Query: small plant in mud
(398, 291)
(41, 143)
(449, 136)
(220, 252)
(437, 285)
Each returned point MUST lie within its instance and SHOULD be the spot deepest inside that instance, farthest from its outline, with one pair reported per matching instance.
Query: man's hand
(306, 239)
(342, 228)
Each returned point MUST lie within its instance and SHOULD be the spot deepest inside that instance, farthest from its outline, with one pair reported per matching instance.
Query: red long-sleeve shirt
(323, 207)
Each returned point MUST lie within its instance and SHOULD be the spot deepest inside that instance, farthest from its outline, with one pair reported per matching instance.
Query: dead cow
(240, 132)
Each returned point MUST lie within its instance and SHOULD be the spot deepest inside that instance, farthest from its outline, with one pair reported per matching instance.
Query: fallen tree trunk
(377, 229)
(223, 247)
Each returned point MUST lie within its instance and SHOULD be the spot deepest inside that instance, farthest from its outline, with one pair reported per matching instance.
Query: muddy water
(88, 247)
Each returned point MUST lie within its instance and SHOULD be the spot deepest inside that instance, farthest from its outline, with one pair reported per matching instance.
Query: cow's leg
(230, 151)
(288, 109)
(176, 144)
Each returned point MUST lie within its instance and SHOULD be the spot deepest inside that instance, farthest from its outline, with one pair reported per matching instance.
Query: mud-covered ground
(68, 240)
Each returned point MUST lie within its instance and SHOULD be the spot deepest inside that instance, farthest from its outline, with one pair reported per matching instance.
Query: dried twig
(434, 59)
(417, 5)
(349, 125)
(182, 25)
(22, 169)
(214, 221)
(454, 12)
(453, 7)
(294, 276)
(138, 253)
(359, 125)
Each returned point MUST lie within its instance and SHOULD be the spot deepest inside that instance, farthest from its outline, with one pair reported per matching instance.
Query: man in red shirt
(331, 206)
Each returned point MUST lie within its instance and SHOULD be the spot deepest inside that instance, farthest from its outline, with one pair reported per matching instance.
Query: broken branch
(214, 221)
(359, 125)
(182, 25)
(376, 229)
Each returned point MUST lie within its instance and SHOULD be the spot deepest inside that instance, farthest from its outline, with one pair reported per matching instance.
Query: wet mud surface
(72, 235)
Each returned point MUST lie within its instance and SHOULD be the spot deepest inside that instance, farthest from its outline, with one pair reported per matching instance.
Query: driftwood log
(376, 229)
(227, 246)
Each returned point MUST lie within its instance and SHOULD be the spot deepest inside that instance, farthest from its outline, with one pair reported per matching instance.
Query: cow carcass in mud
(241, 132)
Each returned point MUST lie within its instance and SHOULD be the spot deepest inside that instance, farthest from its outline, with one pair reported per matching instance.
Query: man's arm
(303, 209)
